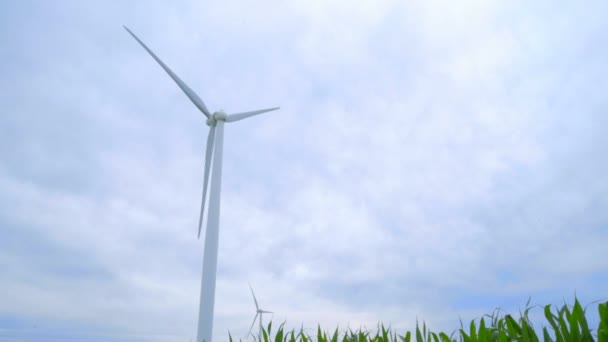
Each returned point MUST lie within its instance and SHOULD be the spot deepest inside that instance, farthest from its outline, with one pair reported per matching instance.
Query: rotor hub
(215, 117)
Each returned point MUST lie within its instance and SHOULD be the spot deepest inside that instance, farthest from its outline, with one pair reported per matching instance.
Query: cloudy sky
(431, 160)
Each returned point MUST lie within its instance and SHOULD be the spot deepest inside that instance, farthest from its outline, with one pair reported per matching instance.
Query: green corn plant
(602, 329)
(321, 337)
(292, 337)
(280, 333)
(418, 334)
(334, 338)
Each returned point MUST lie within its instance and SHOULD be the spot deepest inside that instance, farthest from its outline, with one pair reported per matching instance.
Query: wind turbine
(259, 312)
(213, 155)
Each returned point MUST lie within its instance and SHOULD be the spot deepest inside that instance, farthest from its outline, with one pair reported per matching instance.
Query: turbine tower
(258, 312)
(213, 155)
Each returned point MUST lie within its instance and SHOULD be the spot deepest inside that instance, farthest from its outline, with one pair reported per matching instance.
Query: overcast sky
(431, 160)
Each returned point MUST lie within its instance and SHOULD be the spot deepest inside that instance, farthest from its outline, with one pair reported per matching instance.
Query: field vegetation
(565, 324)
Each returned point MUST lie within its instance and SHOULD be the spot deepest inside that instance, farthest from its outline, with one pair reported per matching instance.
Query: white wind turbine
(215, 140)
(258, 312)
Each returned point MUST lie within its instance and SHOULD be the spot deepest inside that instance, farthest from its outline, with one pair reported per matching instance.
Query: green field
(568, 323)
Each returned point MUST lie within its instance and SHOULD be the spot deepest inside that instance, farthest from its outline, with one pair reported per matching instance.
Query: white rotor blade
(252, 323)
(264, 311)
(255, 300)
(208, 154)
(191, 95)
(244, 115)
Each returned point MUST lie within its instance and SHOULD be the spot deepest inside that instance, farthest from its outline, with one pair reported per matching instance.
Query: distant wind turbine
(215, 140)
(258, 312)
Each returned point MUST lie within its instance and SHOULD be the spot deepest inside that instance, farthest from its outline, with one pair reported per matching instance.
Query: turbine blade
(255, 300)
(244, 115)
(252, 323)
(191, 94)
(208, 154)
(264, 311)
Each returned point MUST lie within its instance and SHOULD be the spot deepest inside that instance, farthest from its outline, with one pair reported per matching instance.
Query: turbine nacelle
(220, 115)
